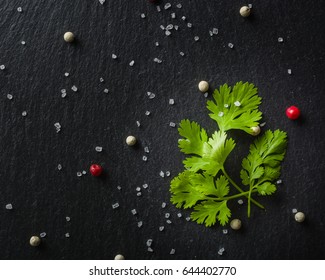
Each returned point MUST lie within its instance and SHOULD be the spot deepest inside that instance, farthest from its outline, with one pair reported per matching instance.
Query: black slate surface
(31, 149)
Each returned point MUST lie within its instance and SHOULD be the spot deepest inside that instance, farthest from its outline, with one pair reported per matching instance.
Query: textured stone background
(30, 149)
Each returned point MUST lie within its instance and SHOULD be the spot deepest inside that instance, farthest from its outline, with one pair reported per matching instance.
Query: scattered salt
(188, 219)
(172, 252)
(23, 42)
(167, 173)
(24, 113)
(196, 38)
(74, 88)
(143, 15)
(163, 205)
(59, 166)
(147, 113)
(294, 211)
(171, 101)
(224, 231)
(66, 74)
(20, 9)
(173, 15)
(99, 149)
(167, 215)
(189, 25)
(279, 182)
(144, 158)
(115, 205)
(131, 63)
(134, 211)
(230, 45)
(289, 71)
(240, 201)
(9, 96)
(2, 67)
(149, 242)
(215, 31)
(145, 186)
(167, 32)
(161, 228)
(179, 6)
(172, 124)
(79, 174)
(237, 103)
(158, 9)
(67, 218)
(138, 123)
(157, 60)
(140, 224)
(102, 2)
(167, 6)
(162, 174)
(168, 221)
(114, 56)
(67, 235)
(106, 90)
(220, 114)
(9, 206)
(181, 53)
(139, 193)
(146, 150)
(138, 189)
(179, 215)
(150, 250)
(280, 40)
(42, 234)
(101, 80)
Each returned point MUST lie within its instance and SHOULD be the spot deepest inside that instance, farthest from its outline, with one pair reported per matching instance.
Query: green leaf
(266, 188)
(209, 211)
(263, 161)
(216, 151)
(184, 194)
(194, 135)
(228, 115)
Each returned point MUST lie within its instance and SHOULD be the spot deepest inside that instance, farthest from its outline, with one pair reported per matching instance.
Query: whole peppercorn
(95, 170)
(119, 257)
(245, 11)
(131, 140)
(256, 130)
(68, 37)
(35, 241)
(300, 217)
(293, 112)
(235, 224)
(203, 86)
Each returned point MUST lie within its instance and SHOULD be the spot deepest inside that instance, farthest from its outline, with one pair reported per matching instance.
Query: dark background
(30, 148)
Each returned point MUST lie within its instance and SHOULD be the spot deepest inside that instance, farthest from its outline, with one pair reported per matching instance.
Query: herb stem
(248, 195)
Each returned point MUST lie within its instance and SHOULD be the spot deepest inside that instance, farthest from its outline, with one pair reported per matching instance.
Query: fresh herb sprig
(205, 184)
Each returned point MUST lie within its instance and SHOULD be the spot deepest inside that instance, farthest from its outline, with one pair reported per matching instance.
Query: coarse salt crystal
(114, 56)
(172, 251)
(74, 88)
(167, 6)
(220, 114)
(115, 205)
(134, 211)
(145, 186)
(9, 206)
(172, 124)
(237, 103)
(9, 96)
(131, 63)
(179, 215)
(162, 174)
(140, 223)
(98, 149)
(230, 45)
(144, 158)
(149, 242)
(161, 228)
(171, 102)
(163, 205)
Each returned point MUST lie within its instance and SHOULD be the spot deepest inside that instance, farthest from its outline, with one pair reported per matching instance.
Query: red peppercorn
(293, 112)
(95, 170)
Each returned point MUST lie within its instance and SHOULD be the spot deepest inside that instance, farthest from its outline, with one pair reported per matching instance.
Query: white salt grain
(161, 228)
(184, 18)
(294, 211)
(114, 56)
(66, 74)
(147, 113)
(172, 252)
(79, 174)
(172, 124)
(176, 27)
(189, 25)
(211, 33)
(171, 102)
(150, 250)
(134, 211)
(237, 103)
(42, 234)
(215, 31)
(67, 218)
(143, 15)
(167, 33)
(119, 188)
(139, 193)
(149, 242)
(162, 174)
(230, 45)
(162, 27)
(9, 206)
(279, 182)
(167, 173)
(144, 158)
(98, 149)
(140, 223)
(224, 231)
(173, 15)
(145, 186)
(167, 215)
(196, 38)
(179, 215)
(131, 63)
(20, 9)
(67, 235)
(158, 9)
(220, 114)
(167, 6)
(23, 43)
(84, 172)
(74, 88)
(101, 80)
(59, 167)
(289, 71)
(157, 44)
(146, 150)
(102, 2)
(9, 96)
(138, 189)
(138, 123)
(206, 94)
(106, 90)
(280, 40)
(163, 205)
(240, 201)
(2, 67)
(188, 219)
(24, 113)
(179, 6)
(115, 205)
(168, 221)
(226, 105)
(181, 53)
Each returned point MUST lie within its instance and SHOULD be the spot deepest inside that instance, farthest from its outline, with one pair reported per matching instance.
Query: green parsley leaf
(195, 137)
(215, 153)
(236, 108)
(262, 165)
(209, 211)
(184, 193)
